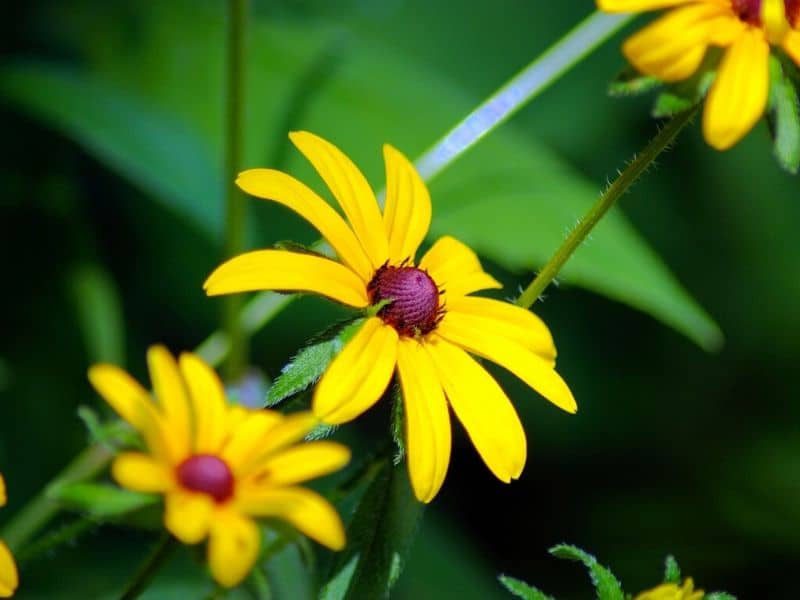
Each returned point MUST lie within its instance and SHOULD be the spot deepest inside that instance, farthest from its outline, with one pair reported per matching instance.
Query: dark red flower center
(208, 474)
(749, 11)
(413, 299)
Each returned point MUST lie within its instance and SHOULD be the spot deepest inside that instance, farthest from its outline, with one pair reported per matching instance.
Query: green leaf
(378, 538)
(100, 500)
(606, 585)
(629, 82)
(672, 572)
(719, 596)
(398, 426)
(784, 117)
(99, 309)
(522, 590)
(308, 365)
(127, 132)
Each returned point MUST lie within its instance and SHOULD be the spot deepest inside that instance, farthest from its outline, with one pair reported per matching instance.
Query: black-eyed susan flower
(219, 466)
(424, 323)
(673, 591)
(9, 578)
(672, 49)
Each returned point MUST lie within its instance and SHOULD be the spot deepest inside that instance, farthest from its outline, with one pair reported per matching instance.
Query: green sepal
(292, 246)
(672, 572)
(99, 500)
(681, 96)
(783, 116)
(111, 435)
(320, 432)
(308, 365)
(605, 584)
(398, 426)
(629, 82)
(520, 589)
(379, 538)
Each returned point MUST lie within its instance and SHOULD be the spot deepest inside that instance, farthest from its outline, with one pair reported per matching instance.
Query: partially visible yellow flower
(673, 47)
(427, 325)
(9, 578)
(218, 465)
(672, 591)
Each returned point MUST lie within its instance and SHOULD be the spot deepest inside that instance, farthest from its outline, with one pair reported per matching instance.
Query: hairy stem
(612, 193)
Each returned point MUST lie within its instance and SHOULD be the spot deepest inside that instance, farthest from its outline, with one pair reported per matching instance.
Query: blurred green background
(110, 167)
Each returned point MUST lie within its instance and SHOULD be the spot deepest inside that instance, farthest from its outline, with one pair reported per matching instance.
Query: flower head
(9, 578)
(217, 465)
(673, 47)
(426, 324)
(673, 591)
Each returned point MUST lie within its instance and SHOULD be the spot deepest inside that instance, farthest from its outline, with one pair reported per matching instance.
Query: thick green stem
(612, 193)
(235, 202)
(148, 569)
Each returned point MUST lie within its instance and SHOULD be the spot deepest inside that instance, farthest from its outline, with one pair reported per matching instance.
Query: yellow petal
(172, 397)
(358, 376)
(407, 213)
(672, 47)
(3, 498)
(188, 515)
(791, 44)
(282, 433)
(9, 577)
(773, 19)
(232, 548)
(288, 191)
(307, 511)
(208, 403)
(637, 5)
(456, 268)
(739, 93)
(427, 420)
(300, 463)
(122, 392)
(483, 408)
(351, 190)
(244, 444)
(530, 368)
(503, 320)
(141, 473)
(284, 271)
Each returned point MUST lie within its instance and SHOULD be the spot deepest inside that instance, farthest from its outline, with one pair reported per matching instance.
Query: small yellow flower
(427, 329)
(672, 591)
(673, 47)
(9, 578)
(219, 465)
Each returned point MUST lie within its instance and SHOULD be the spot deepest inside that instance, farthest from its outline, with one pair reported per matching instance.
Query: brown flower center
(413, 299)
(208, 474)
(749, 11)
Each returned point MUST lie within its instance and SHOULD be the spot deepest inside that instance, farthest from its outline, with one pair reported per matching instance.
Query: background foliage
(110, 178)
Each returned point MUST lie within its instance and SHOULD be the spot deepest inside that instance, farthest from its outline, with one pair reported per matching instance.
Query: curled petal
(358, 376)
(351, 190)
(740, 90)
(284, 271)
(456, 268)
(407, 213)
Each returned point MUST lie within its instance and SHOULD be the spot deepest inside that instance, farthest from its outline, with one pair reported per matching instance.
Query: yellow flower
(219, 465)
(9, 578)
(673, 47)
(428, 326)
(672, 591)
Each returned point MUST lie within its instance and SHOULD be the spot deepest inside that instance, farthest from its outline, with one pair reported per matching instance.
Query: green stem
(612, 193)
(235, 202)
(148, 569)
(521, 89)
(63, 535)
(41, 508)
